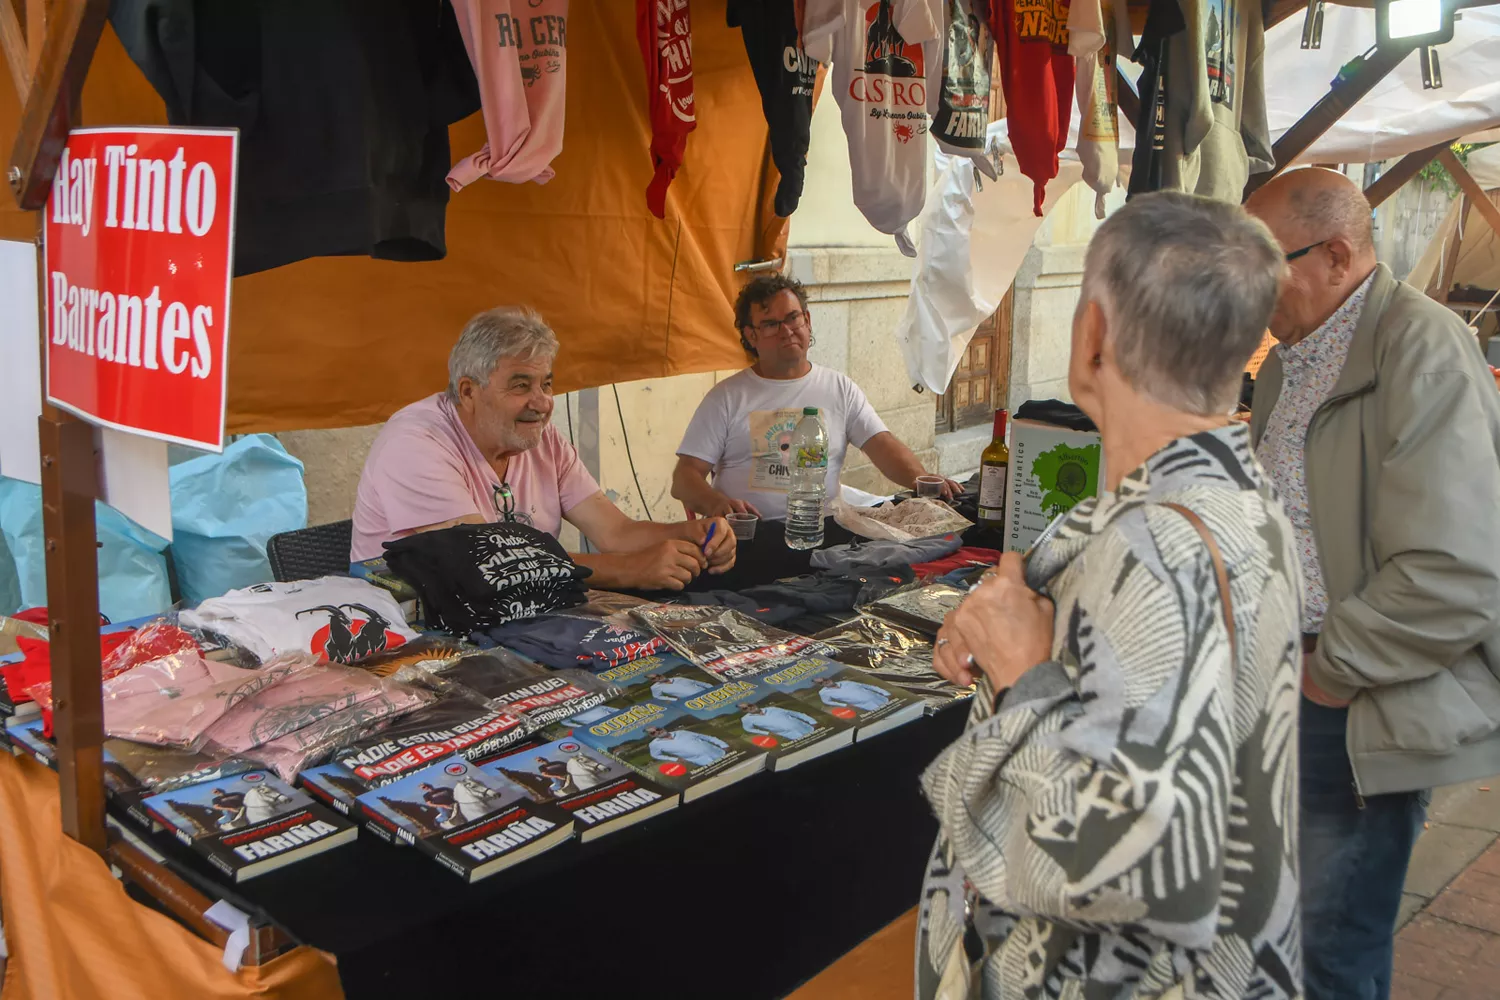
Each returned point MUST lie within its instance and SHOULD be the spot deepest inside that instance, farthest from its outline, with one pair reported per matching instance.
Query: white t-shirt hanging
(337, 619)
(1098, 32)
(743, 428)
(887, 58)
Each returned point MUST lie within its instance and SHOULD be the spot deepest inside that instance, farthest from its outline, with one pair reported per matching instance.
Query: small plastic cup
(930, 486)
(743, 525)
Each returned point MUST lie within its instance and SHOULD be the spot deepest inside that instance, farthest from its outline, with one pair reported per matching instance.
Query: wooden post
(1402, 171)
(1470, 186)
(60, 37)
(1449, 264)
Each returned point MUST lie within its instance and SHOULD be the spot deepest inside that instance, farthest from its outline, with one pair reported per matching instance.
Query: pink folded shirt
(289, 754)
(310, 694)
(172, 701)
(520, 55)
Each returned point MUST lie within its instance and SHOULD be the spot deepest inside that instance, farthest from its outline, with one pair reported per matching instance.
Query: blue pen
(710, 536)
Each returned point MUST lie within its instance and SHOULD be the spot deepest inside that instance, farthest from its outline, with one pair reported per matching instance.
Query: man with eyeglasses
(486, 451)
(741, 433)
(1378, 421)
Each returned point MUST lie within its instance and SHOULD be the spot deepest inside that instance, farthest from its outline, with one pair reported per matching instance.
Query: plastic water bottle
(804, 504)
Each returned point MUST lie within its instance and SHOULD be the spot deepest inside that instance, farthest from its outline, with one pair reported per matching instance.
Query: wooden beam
(1470, 187)
(1400, 172)
(67, 49)
(1449, 264)
(69, 486)
(1353, 83)
(13, 48)
(1125, 96)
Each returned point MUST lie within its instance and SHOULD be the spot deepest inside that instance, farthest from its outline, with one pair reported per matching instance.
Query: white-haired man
(485, 450)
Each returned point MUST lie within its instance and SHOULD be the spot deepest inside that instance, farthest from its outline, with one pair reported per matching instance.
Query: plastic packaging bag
(919, 517)
(129, 766)
(132, 569)
(290, 754)
(312, 693)
(225, 508)
(172, 700)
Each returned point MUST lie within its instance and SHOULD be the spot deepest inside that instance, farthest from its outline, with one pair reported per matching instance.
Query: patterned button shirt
(1309, 369)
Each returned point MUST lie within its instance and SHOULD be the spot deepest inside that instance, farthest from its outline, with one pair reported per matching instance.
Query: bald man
(1378, 420)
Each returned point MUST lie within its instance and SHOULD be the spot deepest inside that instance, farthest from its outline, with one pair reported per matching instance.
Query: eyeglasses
(1305, 250)
(794, 321)
(505, 502)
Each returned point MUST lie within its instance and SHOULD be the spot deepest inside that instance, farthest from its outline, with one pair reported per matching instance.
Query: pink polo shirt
(425, 469)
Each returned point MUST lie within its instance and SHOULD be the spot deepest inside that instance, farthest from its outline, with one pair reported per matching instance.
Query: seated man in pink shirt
(485, 450)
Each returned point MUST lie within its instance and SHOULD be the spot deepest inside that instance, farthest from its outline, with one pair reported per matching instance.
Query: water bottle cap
(809, 411)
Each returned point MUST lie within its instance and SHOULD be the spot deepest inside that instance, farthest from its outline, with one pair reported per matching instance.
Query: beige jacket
(1403, 481)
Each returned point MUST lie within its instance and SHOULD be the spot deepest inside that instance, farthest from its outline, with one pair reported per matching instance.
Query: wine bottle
(994, 476)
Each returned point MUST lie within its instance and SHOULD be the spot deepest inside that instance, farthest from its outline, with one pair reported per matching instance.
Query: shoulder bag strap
(1219, 571)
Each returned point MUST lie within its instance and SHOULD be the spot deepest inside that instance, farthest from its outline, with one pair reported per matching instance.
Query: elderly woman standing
(1119, 820)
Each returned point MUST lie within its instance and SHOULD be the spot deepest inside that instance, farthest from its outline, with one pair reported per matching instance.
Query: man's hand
(723, 506)
(950, 489)
(1315, 694)
(721, 550)
(668, 565)
(1003, 625)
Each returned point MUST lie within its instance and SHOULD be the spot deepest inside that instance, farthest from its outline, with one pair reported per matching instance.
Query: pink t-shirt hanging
(519, 49)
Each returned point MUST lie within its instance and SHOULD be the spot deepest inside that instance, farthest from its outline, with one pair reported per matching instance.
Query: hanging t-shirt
(961, 106)
(785, 76)
(425, 469)
(887, 58)
(1104, 34)
(1149, 165)
(520, 55)
(665, 32)
(334, 619)
(1036, 73)
(744, 426)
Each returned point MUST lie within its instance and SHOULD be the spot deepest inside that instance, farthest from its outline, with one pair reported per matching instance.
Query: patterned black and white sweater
(1126, 822)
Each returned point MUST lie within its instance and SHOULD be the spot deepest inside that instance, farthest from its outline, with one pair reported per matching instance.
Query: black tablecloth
(745, 893)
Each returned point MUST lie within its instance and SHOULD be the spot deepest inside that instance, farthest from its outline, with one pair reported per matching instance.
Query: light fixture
(1414, 22)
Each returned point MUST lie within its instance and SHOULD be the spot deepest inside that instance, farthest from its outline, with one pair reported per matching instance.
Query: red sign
(139, 254)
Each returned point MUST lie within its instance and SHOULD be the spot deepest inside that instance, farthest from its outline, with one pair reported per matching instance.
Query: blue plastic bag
(133, 579)
(224, 510)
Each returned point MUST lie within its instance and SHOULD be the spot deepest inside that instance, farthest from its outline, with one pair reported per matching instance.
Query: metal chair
(322, 550)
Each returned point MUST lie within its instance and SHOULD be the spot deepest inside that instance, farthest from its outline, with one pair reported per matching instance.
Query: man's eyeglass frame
(1305, 250)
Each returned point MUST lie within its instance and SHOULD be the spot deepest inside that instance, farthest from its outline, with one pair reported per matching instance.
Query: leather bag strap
(1219, 571)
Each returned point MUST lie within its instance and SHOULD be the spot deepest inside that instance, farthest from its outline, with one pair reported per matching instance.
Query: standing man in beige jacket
(1378, 421)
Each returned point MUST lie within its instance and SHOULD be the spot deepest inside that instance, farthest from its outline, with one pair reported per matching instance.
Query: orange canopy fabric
(73, 934)
(333, 342)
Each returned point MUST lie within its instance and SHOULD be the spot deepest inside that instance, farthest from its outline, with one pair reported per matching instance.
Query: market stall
(749, 891)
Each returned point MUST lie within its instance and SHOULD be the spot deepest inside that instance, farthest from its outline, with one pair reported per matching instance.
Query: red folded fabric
(36, 668)
(966, 556)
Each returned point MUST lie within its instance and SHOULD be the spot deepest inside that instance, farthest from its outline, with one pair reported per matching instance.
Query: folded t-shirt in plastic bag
(172, 700)
(336, 618)
(502, 680)
(129, 766)
(576, 641)
(313, 692)
(149, 642)
(922, 608)
(310, 745)
(728, 644)
(891, 654)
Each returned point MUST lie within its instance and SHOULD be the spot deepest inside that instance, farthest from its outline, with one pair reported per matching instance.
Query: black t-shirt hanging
(961, 109)
(785, 77)
(1163, 20)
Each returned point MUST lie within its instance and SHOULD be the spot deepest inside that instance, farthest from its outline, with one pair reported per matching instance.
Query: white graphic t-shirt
(887, 59)
(744, 429)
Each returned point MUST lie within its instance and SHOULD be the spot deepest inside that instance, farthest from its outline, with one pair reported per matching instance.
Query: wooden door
(982, 379)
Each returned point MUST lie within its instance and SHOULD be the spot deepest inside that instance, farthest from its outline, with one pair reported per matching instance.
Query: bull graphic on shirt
(886, 51)
(350, 639)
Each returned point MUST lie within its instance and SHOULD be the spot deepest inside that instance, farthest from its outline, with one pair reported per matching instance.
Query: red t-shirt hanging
(1036, 74)
(665, 32)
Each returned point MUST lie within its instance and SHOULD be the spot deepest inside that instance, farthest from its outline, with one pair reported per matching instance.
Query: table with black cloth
(747, 892)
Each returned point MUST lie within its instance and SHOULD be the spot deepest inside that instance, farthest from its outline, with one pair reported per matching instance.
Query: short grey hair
(506, 332)
(1187, 286)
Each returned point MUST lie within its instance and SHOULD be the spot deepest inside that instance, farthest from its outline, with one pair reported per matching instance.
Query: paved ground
(1448, 946)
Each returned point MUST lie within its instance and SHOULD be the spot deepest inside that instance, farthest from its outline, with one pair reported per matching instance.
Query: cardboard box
(1051, 469)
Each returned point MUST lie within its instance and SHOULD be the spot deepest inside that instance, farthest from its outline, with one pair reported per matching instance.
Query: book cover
(26, 737)
(250, 823)
(892, 654)
(774, 720)
(448, 726)
(1051, 469)
(601, 794)
(828, 689)
(668, 746)
(473, 823)
(664, 677)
